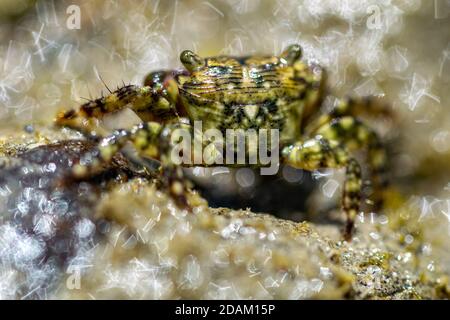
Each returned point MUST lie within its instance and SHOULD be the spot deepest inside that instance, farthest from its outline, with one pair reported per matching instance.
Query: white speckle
(271, 236)
(409, 239)
(418, 88)
(383, 219)
(8, 283)
(326, 273)
(199, 172)
(369, 88)
(441, 141)
(373, 270)
(84, 228)
(427, 249)
(191, 276)
(330, 187)
(310, 144)
(28, 249)
(374, 235)
(59, 207)
(316, 285)
(397, 59)
(130, 243)
(247, 230)
(231, 230)
(209, 4)
(50, 167)
(44, 225)
(23, 207)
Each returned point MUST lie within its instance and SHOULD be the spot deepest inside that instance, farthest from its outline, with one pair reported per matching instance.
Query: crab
(284, 92)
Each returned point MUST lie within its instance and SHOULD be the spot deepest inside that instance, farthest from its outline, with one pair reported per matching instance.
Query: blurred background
(53, 54)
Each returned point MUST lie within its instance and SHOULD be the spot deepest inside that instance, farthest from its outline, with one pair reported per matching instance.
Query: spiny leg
(355, 135)
(148, 102)
(319, 153)
(151, 140)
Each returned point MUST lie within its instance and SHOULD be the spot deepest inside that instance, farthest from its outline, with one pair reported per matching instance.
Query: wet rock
(46, 218)
(118, 236)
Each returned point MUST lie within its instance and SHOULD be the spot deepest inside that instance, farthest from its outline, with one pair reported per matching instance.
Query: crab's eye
(291, 54)
(191, 61)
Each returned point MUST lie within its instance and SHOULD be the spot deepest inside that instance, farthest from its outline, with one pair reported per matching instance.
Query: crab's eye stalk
(291, 54)
(191, 61)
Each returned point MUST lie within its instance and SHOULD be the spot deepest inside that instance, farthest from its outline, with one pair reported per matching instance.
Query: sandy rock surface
(118, 236)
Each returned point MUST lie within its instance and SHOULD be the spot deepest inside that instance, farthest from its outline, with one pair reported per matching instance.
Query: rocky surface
(118, 236)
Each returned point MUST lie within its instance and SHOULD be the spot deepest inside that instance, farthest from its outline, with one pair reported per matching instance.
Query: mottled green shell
(253, 92)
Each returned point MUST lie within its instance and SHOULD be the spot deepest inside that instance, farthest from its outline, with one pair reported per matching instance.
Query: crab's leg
(354, 135)
(143, 100)
(353, 106)
(319, 153)
(151, 140)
